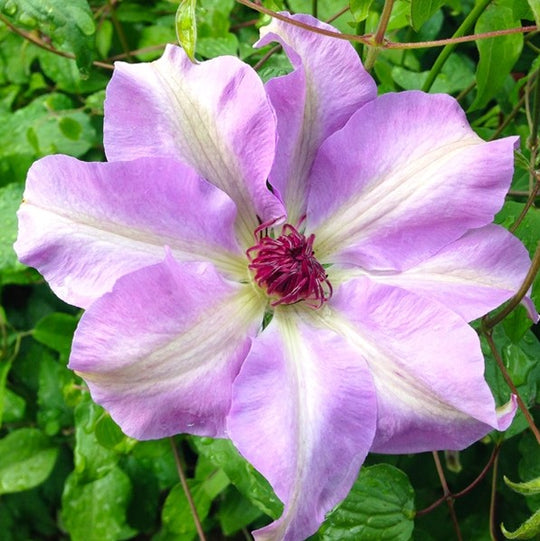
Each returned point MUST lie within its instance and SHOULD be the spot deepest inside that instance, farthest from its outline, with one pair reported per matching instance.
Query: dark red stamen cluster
(287, 269)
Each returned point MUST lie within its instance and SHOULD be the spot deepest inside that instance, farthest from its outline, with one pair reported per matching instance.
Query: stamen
(286, 267)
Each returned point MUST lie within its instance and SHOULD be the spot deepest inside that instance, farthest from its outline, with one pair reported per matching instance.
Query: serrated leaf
(96, 511)
(497, 55)
(527, 488)
(530, 529)
(186, 27)
(380, 506)
(422, 10)
(28, 457)
(70, 25)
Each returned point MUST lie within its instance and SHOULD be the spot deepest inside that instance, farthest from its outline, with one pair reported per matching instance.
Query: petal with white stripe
(214, 116)
(83, 225)
(303, 414)
(405, 177)
(472, 275)
(328, 84)
(161, 351)
(427, 367)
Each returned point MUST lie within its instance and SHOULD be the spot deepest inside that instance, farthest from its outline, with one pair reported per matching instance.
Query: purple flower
(365, 259)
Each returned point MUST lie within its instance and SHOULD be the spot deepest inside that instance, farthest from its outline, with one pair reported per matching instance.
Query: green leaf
(10, 200)
(527, 488)
(70, 128)
(244, 477)
(212, 47)
(177, 516)
(14, 406)
(96, 511)
(110, 435)
(379, 506)
(422, 10)
(528, 530)
(186, 27)
(56, 331)
(70, 25)
(28, 457)
(235, 512)
(360, 9)
(5, 367)
(535, 8)
(92, 460)
(497, 55)
(43, 118)
(54, 414)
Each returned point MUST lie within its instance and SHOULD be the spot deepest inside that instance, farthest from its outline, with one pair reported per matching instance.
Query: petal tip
(505, 413)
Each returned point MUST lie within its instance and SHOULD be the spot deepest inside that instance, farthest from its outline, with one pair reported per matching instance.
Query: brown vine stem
(119, 30)
(369, 39)
(467, 489)
(489, 322)
(461, 39)
(378, 39)
(29, 36)
(510, 383)
(447, 494)
(187, 492)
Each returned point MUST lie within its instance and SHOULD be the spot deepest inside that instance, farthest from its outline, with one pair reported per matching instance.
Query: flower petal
(214, 116)
(427, 366)
(472, 275)
(303, 414)
(160, 352)
(405, 177)
(83, 225)
(327, 86)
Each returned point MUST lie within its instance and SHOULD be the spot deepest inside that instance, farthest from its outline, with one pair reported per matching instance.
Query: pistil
(287, 269)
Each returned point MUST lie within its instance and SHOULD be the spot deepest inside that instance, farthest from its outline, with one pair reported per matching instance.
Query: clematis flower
(290, 265)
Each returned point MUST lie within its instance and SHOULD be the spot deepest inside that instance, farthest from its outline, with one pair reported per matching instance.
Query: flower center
(287, 268)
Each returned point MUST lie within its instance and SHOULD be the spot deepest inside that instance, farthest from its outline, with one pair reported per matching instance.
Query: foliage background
(66, 470)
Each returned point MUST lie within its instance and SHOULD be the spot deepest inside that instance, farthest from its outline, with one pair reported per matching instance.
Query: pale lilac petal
(214, 116)
(304, 415)
(160, 352)
(83, 225)
(327, 86)
(472, 275)
(405, 177)
(427, 367)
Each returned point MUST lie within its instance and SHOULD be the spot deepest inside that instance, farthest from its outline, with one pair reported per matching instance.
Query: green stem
(378, 39)
(314, 8)
(359, 29)
(447, 51)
